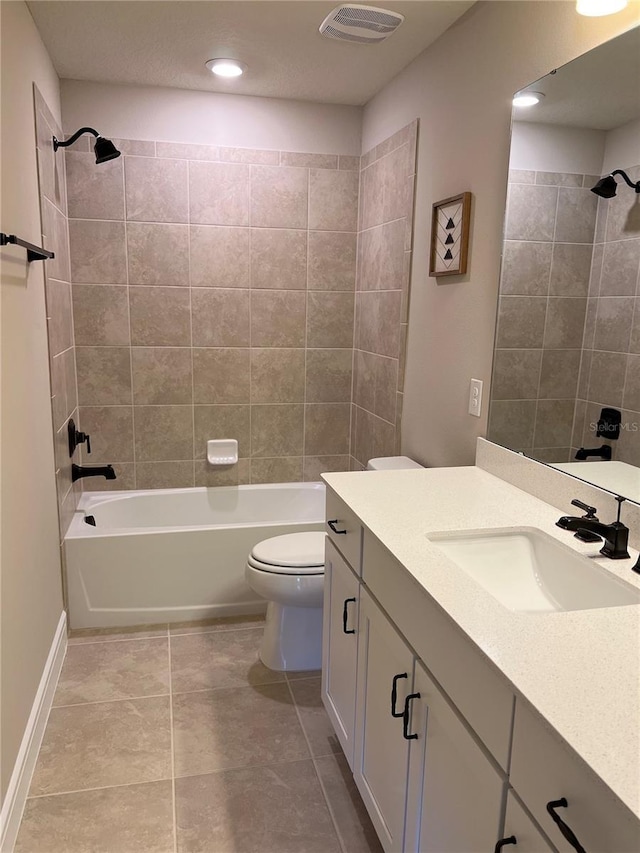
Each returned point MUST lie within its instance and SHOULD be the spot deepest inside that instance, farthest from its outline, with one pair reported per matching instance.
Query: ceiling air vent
(361, 24)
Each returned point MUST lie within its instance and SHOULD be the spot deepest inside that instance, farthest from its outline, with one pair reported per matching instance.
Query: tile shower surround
(563, 313)
(213, 297)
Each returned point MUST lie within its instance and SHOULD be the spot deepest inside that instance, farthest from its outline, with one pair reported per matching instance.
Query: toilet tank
(391, 463)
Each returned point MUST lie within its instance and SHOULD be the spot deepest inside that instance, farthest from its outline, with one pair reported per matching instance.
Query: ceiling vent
(360, 24)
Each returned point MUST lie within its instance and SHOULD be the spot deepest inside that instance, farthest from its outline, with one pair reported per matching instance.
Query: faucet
(79, 471)
(615, 535)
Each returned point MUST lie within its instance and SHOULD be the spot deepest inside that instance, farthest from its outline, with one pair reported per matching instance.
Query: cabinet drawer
(519, 825)
(543, 769)
(473, 685)
(349, 540)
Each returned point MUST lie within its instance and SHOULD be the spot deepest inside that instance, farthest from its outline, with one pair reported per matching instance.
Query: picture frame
(450, 223)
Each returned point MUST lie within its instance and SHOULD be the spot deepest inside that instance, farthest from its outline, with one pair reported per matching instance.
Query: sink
(529, 571)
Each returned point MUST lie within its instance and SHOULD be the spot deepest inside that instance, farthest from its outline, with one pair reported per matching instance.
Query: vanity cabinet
(518, 825)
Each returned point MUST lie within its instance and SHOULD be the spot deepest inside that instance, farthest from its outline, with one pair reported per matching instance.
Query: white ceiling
(167, 43)
(599, 90)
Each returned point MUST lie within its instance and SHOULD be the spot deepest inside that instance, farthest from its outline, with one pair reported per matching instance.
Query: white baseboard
(14, 802)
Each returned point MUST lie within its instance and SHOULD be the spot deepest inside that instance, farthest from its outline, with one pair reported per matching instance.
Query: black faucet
(615, 535)
(603, 452)
(79, 471)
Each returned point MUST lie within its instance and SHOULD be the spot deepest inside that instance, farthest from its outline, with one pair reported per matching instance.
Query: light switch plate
(475, 397)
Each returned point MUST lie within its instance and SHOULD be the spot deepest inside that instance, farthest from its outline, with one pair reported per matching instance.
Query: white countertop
(579, 669)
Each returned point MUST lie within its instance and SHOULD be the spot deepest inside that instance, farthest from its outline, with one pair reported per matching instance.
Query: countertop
(579, 669)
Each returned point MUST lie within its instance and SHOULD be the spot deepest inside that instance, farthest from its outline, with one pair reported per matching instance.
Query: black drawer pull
(503, 843)
(332, 524)
(564, 828)
(345, 617)
(405, 715)
(394, 694)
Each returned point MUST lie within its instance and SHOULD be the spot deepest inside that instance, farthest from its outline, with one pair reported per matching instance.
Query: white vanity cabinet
(519, 826)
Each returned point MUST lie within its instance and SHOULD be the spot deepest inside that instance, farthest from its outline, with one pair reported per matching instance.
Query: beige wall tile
(378, 324)
(229, 475)
(250, 155)
(215, 422)
(372, 196)
(635, 330)
(314, 161)
(554, 423)
(58, 391)
(570, 269)
(104, 376)
(283, 469)
(56, 238)
(607, 378)
(183, 151)
(98, 252)
(381, 257)
(277, 430)
(631, 397)
(531, 212)
(620, 268)
(278, 258)
(332, 260)
(564, 327)
(161, 376)
(160, 316)
(516, 374)
(220, 318)
(278, 318)
(559, 374)
(163, 432)
(69, 358)
(279, 196)
(330, 320)
(59, 315)
(158, 254)
(277, 375)
(521, 321)
(525, 268)
(138, 147)
(576, 216)
(219, 256)
(349, 162)
(51, 168)
(156, 189)
(164, 475)
(559, 179)
(327, 429)
(218, 193)
(100, 315)
(221, 375)
(511, 423)
(94, 191)
(328, 375)
(314, 466)
(111, 430)
(397, 167)
(333, 200)
(613, 323)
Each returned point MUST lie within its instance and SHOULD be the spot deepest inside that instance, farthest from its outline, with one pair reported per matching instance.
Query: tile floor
(179, 739)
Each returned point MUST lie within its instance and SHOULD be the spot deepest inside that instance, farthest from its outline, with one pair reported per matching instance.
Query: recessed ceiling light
(226, 67)
(598, 8)
(527, 99)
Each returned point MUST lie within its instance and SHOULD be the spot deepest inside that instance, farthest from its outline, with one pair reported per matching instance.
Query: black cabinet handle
(405, 715)
(394, 694)
(345, 617)
(503, 843)
(564, 828)
(332, 524)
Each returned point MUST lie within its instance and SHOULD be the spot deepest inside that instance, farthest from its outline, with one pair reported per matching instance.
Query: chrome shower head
(104, 148)
(607, 186)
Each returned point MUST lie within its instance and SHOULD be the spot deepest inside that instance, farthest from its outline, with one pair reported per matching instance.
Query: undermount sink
(528, 571)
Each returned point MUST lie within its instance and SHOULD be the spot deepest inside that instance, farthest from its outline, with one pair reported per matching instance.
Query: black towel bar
(34, 253)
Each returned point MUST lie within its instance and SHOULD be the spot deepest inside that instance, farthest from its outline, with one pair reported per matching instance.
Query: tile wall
(213, 297)
(385, 240)
(55, 236)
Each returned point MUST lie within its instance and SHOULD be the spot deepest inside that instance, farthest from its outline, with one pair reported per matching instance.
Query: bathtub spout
(79, 471)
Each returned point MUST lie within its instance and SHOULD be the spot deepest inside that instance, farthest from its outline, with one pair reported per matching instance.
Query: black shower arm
(57, 144)
(627, 179)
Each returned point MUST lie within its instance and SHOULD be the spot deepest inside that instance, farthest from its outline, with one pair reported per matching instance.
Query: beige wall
(461, 88)
(31, 586)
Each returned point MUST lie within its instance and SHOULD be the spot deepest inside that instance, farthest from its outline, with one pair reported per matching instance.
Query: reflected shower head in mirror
(607, 186)
(104, 149)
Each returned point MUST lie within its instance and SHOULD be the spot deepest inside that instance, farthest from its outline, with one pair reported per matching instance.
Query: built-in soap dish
(222, 451)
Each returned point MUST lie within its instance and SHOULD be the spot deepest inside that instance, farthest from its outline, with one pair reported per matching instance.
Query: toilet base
(292, 638)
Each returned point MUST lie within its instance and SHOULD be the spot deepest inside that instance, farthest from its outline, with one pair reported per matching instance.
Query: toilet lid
(293, 551)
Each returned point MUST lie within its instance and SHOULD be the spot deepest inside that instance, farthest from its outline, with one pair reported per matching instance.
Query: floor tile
(108, 743)
(225, 623)
(109, 635)
(218, 729)
(222, 659)
(314, 719)
(103, 671)
(349, 814)
(294, 675)
(129, 819)
(276, 809)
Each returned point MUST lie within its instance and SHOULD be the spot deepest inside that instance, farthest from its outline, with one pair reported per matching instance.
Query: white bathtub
(171, 555)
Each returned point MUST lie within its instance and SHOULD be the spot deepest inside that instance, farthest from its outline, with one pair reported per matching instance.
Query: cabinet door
(455, 791)
(382, 754)
(340, 646)
(518, 825)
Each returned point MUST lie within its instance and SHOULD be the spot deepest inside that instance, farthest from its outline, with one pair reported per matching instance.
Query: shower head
(607, 186)
(104, 148)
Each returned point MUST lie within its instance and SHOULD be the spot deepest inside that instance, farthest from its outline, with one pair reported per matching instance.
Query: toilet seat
(291, 554)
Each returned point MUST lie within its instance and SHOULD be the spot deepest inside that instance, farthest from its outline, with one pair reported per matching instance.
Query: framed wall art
(450, 223)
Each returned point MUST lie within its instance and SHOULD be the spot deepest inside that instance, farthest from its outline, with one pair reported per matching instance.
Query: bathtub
(170, 555)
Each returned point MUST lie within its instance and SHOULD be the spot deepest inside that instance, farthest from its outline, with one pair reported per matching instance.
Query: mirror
(566, 375)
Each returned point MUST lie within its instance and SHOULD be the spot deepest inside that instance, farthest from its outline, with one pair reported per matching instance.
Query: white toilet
(289, 572)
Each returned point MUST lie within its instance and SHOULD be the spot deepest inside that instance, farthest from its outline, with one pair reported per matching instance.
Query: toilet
(288, 571)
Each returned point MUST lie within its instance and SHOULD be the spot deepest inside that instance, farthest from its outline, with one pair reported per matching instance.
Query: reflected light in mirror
(527, 99)
(599, 8)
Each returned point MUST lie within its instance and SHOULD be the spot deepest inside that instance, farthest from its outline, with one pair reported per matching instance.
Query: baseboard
(14, 802)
